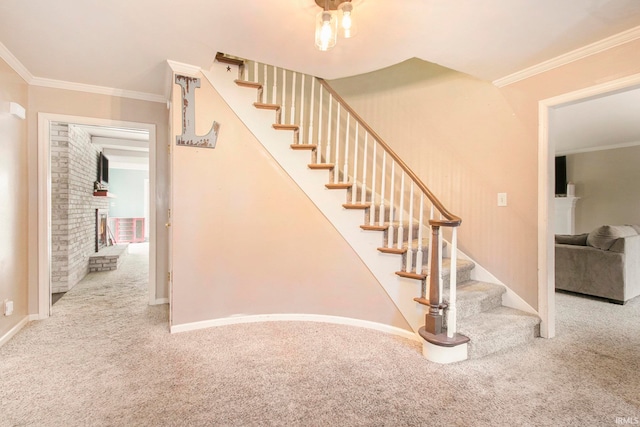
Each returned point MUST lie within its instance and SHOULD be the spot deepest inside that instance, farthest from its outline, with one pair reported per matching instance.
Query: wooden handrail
(451, 219)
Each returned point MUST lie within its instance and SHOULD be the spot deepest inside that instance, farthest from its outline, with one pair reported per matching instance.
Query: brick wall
(74, 164)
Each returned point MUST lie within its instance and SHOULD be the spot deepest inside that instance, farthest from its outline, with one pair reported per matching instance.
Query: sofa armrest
(590, 271)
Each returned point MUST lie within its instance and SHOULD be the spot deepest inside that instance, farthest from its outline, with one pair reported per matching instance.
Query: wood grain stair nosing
(374, 227)
(356, 205)
(303, 146)
(339, 185)
(278, 126)
(263, 106)
(245, 83)
(396, 251)
(316, 166)
(411, 275)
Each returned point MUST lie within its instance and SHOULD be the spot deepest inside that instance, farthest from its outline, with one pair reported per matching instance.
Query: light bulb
(347, 28)
(326, 30)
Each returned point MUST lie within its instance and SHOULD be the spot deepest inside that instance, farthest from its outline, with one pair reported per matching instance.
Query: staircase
(379, 206)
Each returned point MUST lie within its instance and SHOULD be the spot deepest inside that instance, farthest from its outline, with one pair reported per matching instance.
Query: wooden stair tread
(321, 165)
(411, 275)
(397, 251)
(339, 185)
(303, 146)
(374, 227)
(356, 205)
(245, 83)
(263, 106)
(278, 126)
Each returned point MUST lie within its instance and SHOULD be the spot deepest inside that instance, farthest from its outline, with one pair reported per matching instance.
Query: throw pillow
(604, 237)
(572, 239)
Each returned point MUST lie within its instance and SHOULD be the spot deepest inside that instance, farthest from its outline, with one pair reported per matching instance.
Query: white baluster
(392, 193)
(363, 190)
(355, 161)
(336, 169)
(430, 244)
(301, 121)
(311, 104)
(283, 107)
(401, 219)
(372, 209)
(420, 254)
(265, 84)
(320, 108)
(440, 255)
(274, 87)
(293, 98)
(410, 231)
(453, 282)
(383, 182)
(329, 122)
(255, 72)
(345, 168)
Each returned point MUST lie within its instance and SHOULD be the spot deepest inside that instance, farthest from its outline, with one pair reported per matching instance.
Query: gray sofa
(604, 263)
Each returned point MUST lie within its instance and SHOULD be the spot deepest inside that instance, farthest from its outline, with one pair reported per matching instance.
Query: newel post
(433, 319)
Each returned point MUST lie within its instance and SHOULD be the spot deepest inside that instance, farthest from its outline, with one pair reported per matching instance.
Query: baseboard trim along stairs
(480, 313)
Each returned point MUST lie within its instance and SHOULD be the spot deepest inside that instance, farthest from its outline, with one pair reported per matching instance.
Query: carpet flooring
(106, 358)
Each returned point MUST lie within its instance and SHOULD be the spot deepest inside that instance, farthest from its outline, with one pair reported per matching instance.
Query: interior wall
(13, 200)
(73, 103)
(248, 241)
(607, 184)
(466, 144)
(128, 186)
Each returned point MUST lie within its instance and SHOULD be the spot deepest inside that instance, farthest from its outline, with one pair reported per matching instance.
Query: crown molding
(102, 90)
(14, 63)
(19, 68)
(569, 57)
(597, 148)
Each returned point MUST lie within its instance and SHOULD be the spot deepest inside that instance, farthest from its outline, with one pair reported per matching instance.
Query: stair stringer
(329, 202)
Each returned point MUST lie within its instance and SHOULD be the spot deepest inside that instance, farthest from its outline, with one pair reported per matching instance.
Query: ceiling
(125, 44)
(599, 123)
(125, 148)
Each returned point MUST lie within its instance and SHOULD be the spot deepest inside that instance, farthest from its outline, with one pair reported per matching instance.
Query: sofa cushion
(572, 239)
(603, 237)
(636, 227)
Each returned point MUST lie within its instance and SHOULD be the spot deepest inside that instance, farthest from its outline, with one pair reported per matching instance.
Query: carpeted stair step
(498, 329)
(475, 297)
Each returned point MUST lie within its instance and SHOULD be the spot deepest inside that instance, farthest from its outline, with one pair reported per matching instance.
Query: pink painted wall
(247, 240)
(13, 200)
(469, 140)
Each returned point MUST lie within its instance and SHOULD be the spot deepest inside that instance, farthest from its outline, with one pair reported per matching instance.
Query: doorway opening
(77, 182)
(546, 192)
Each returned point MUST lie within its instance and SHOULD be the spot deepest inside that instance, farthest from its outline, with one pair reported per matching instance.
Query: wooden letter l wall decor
(189, 137)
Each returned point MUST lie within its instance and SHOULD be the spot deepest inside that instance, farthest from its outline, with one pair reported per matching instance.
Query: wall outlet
(8, 307)
(502, 199)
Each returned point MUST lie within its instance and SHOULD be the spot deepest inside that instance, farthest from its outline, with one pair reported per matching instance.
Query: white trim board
(569, 57)
(337, 320)
(19, 68)
(546, 195)
(44, 201)
(598, 148)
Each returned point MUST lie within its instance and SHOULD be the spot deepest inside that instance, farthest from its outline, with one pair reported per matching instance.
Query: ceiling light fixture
(336, 15)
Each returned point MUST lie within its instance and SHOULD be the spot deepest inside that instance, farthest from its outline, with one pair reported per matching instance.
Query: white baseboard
(6, 337)
(159, 301)
(296, 318)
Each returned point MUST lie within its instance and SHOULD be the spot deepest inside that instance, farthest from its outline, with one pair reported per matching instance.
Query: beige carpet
(106, 358)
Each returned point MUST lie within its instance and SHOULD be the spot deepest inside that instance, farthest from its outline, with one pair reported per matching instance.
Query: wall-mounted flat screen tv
(103, 169)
